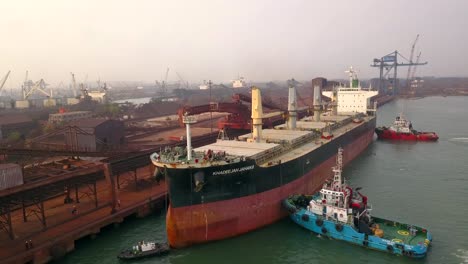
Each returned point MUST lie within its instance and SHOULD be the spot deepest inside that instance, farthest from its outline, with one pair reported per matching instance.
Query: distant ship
(232, 187)
(402, 129)
(239, 83)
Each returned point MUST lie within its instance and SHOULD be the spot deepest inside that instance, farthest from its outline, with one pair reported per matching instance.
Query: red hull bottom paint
(421, 136)
(202, 223)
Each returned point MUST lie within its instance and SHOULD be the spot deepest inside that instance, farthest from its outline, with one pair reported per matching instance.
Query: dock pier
(45, 227)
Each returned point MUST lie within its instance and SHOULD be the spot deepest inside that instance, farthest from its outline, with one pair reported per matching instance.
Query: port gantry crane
(29, 87)
(389, 63)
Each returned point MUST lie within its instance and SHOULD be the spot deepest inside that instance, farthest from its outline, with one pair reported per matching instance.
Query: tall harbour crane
(73, 84)
(39, 86)
(408, 80)
(29, 87)
(182, 82)
(3, 81)
(413, 70)
(163, 84)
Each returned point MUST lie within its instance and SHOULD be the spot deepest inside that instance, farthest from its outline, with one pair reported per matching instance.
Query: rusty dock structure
(41, 220)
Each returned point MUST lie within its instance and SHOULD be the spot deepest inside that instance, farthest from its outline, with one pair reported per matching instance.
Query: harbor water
(420, 183)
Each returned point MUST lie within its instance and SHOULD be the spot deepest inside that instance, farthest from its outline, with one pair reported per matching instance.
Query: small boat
(339, 212)
(145, 249)
(402, 129)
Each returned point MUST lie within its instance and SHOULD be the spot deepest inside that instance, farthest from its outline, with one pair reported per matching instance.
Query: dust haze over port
(107, 106)
(218, 40)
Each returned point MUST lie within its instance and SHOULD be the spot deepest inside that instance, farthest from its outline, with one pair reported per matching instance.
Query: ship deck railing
(287, 147)
(399, 232)
(306, 139)
(393, 230)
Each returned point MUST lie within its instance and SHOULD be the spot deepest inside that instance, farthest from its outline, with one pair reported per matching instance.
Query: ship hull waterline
(203, 222)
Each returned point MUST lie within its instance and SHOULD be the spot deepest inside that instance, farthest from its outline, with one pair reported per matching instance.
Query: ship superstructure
(239, 83)
(351, 99)
(232, 187)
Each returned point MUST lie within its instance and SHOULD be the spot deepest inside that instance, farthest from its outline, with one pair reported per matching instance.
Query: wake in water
(462, 254)
(463, 140)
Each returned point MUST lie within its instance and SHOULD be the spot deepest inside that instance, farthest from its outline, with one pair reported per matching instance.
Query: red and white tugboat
(402, 129)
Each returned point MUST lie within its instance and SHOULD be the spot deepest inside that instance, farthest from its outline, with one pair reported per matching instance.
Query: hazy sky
(201, 39)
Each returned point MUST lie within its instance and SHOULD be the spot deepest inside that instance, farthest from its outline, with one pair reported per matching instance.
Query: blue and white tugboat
(341, 213)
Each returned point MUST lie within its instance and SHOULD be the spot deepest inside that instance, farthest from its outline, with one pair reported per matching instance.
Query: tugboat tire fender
(319, 222)
(390, 248)
(324, 230)
(305, 218)
(339, 227)
(365, 243)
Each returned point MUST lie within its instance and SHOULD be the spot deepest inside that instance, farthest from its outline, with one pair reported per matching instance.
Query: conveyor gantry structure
(31, 196)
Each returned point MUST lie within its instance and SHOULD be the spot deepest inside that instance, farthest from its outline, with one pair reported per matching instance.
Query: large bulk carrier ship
(232, 187)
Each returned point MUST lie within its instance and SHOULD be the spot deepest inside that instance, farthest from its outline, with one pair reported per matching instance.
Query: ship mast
(353, 80)
(337, 179)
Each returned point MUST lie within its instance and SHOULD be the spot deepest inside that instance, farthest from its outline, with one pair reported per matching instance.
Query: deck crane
(411, 61)
(3, 81)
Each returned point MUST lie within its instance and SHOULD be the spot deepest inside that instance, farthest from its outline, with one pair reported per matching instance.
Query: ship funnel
(292, 107)
(317, 103)
(188, 120)
(257, 114)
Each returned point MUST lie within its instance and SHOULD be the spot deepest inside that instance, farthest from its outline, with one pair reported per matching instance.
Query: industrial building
(95, 134)
(15, 123)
